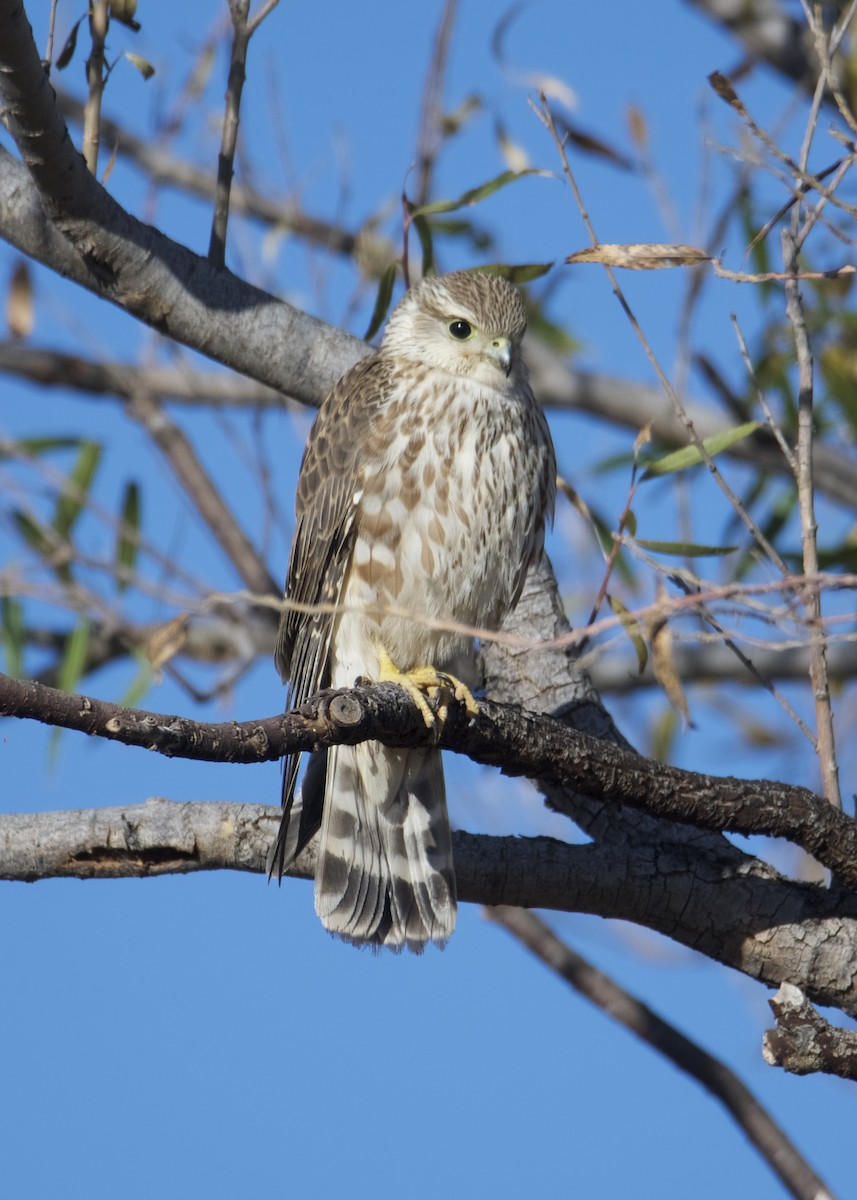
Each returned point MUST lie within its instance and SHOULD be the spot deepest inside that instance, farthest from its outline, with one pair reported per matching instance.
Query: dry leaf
(19, 302)
(167, 640)
(642, 256)
(638, 127)
(643, 438)
(663, 663)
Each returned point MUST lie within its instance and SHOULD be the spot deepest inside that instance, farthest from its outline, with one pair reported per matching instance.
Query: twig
(431, 109)
(47, 61)
(825, 49)
(239, 10)
(712, 1073)
(165, 168)
(99, 20)
(546, 117)
(773, 424)
(809, 529)
(207, 500)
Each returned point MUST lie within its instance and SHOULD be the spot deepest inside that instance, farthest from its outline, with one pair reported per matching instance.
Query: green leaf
(632, 628)
(685, 549)
(424, 234)
(70, 504)
(690, 456)
(73, 662)
(140, 683)
(474, 195)
(128, 540)
(70, 671)
(522, 273)
(34, 534)
(67, 52)
(382, 301)
(479, 238)
(12, 631)
(43, 445)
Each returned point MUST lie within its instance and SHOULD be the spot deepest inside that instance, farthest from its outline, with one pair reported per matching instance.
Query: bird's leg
(424, 681)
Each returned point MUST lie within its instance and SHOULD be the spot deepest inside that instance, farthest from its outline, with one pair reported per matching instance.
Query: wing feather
(327, 506)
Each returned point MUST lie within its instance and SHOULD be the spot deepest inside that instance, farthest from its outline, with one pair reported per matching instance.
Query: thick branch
(754, 921)
(519, 742)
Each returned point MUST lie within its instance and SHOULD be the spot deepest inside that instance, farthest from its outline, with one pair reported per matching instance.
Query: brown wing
(328, 496)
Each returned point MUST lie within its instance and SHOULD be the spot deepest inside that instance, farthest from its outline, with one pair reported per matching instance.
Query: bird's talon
(423, 682)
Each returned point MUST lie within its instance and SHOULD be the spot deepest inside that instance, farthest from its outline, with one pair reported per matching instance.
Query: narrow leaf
(424, 234)
(70, 671)
(19, 302)
(689, 456)
(644, 256)
(142, 64)
(73, 662)
(128, 541)
(67, 52)
(685, 549)
(632, 628)
(474, 195)
(69, 505)
(12, 629)
(520, 273)
(32, 532)
(382, 301)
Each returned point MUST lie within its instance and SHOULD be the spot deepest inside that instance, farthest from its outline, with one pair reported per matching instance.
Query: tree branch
(516, 741)
(91, 239)
(803, 1042)
(713, 1074)
(751, 920)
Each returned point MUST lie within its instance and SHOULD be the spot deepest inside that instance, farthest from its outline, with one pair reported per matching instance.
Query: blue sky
(202, 1035)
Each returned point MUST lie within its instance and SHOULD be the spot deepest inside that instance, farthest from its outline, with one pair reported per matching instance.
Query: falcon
(422, 498)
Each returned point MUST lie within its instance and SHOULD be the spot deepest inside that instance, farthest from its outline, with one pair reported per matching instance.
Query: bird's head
(466, 323)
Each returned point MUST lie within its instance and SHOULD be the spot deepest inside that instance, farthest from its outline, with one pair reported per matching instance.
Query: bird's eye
(460, 330)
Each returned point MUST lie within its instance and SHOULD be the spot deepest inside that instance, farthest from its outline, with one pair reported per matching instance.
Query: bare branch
(713, 1074)
(431, 110)
(516, 741)
(239, 11)
(809, 529)
(203, 493)
(99, 19)
(93, 240)
(165, 168)
(738, 913)
(803, 1042)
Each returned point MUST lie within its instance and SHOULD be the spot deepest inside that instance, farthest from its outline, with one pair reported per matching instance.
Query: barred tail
(385, 874)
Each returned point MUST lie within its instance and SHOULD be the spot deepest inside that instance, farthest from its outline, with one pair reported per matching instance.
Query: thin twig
(712, 1073)
(239, 10)
(205, 497)
(265, 11)
(809, 529)
(546, 117)
(99, 20)
(431, 109)
(825, 49)
(773, 423)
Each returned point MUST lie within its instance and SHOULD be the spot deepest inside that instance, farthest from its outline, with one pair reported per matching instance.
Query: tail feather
(385, 874)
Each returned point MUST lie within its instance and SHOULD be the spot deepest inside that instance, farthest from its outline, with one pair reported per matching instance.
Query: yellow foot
(426, 681)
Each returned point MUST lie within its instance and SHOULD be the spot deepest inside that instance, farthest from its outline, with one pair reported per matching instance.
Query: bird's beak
(500, 352)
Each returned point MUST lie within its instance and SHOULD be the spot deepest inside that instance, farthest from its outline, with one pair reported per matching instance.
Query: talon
(423, 681)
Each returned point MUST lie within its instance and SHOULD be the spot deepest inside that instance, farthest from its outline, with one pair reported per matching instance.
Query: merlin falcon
(423, 494)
